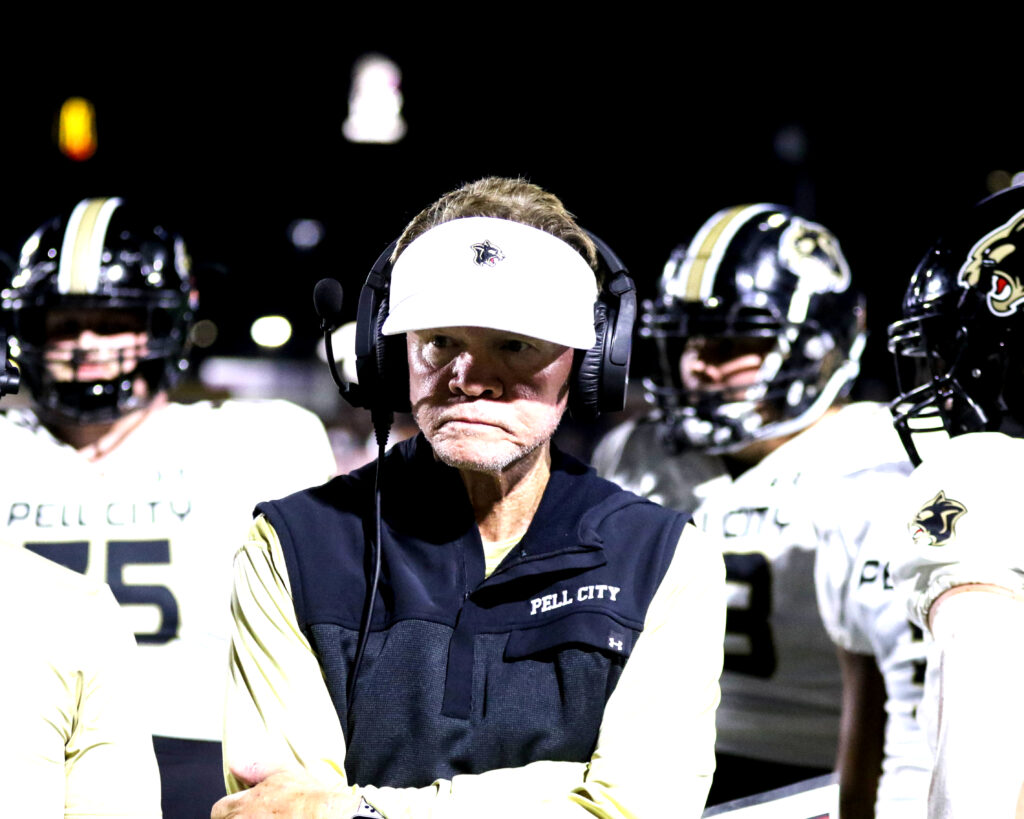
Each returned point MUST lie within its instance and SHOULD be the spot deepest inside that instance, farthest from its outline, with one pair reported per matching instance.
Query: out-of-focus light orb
(22, 278)
(1017, 179)
(76, 129)
(375, 102)
(203, 333)
(776, 220)
(998, 180)
(271, 331)
(306, 234)
(791, 144)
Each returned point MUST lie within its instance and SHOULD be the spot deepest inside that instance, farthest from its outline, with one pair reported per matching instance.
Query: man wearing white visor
(541, 642)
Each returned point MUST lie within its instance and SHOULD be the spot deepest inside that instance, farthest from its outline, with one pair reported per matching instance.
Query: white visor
(485, 272)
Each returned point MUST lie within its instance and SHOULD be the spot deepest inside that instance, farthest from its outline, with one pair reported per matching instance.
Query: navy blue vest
(463, 674)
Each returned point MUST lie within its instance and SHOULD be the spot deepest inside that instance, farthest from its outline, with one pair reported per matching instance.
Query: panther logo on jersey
(935, 524)
(993, 254)
(487, 254)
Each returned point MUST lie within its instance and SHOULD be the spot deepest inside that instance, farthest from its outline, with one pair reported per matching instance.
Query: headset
(597, 383)
(599, 375)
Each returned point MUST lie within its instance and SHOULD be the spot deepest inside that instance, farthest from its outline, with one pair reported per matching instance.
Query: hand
(284, 792)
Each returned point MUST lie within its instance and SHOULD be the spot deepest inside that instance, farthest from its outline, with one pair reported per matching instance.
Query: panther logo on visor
(935, 524)
(999, 255)
(487, 254)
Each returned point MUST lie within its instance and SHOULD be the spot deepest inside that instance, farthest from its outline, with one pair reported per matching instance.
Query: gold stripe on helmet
(709, 245)
(82, 250)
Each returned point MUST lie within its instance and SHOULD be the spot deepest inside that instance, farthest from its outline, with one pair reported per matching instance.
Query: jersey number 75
(122, 553)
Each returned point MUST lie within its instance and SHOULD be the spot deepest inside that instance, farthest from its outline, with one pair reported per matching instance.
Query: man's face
(486, 398)
(109, 343)
(730, 364)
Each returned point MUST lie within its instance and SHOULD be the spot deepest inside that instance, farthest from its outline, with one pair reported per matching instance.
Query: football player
(756, 335)
(960, 360)
(125, 486)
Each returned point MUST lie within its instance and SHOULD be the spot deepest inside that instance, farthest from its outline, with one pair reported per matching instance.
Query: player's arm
(110, 767)
(861, 734)
(979, 757)
(862, 719)
(655, 750)
(961, 575)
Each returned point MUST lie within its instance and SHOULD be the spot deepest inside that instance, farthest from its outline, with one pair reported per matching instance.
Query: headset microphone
(327, 300)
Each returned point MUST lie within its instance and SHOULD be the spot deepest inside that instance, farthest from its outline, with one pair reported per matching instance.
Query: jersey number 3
(749, 647)
(122, 553)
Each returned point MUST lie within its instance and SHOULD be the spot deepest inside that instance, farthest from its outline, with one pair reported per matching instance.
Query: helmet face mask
(761, 300)
(98, 313)
(957, 347)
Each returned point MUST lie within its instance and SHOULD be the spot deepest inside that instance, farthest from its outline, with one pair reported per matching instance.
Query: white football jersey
(956, 520)
(781, 688)
(864, 613)
(159, 519)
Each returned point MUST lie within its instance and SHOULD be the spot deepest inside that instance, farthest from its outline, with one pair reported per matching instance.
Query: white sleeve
(110, 767)
(76, 742)
(833, 580)
(278, 712)
(976, 728)
(853, 513)
(960, 508)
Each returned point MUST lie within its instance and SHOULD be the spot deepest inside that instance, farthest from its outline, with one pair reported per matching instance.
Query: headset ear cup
(392, 365)
(585, 401)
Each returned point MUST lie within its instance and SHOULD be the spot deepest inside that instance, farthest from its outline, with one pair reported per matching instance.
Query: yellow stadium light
(76, 133)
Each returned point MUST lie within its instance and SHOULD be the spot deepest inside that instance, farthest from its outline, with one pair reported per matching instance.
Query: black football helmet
(958, 348)
(103, 259)
(754, 272)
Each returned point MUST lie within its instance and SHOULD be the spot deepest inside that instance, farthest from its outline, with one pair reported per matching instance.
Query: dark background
(643, 137)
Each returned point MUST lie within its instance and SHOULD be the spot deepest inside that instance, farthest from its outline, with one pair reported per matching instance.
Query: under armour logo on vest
(616, 644)
(366, 811)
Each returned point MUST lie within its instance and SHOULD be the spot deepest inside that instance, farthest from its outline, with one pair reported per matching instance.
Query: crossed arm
(655, 751)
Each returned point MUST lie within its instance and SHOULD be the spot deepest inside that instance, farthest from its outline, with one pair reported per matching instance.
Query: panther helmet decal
(995, 255)
(959, 348)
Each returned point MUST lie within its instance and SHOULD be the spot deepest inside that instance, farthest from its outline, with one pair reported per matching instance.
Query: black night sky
(642, 140)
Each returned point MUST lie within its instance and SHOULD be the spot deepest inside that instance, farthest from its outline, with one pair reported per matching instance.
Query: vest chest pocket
(585, 629)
